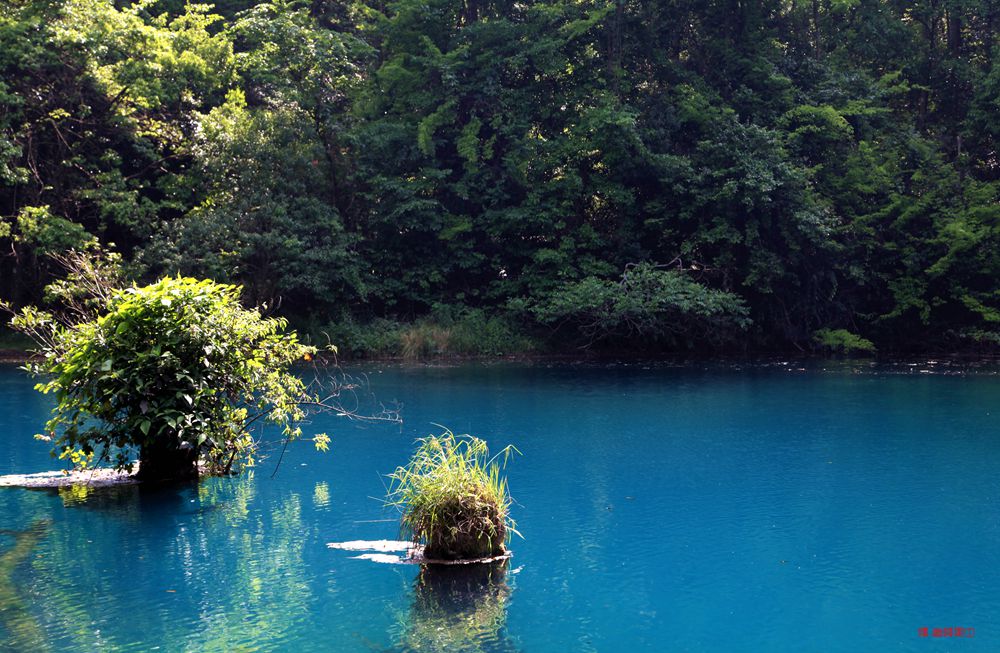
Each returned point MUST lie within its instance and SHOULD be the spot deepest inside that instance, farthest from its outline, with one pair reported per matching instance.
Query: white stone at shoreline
(97, 477)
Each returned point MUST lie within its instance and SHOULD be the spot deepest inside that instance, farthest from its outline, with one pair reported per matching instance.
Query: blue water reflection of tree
(458, 608)
(208, 570)
(19, 628)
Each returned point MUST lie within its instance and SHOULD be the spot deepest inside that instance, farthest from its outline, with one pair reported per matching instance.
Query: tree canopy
(778, 171)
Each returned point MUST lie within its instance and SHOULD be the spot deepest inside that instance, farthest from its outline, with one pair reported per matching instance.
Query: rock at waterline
(97, 477)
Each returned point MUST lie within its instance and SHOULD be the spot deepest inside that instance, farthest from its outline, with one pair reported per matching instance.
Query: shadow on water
(18, 628)
(458, 608)
(133, 501)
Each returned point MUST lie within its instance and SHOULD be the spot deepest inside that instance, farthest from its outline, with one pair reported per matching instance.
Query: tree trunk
(954, 24)
(615, 45)
(161, 461)
(988, 37)
(817, 40)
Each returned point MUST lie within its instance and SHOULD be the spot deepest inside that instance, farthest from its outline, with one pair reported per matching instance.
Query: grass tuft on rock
(454, 498)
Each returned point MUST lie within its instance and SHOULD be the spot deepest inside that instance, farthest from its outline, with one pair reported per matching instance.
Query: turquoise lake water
(701, 508)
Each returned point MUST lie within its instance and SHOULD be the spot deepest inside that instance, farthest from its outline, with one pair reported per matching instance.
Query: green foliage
(647, 303)
(175, 366)
(454, 498)
(480, 333)
(424, 340)
(447, 331)
(379, 338)
(825, 163)
(460, 331)
(13, 340)
(842, 341)
(44, 233)
(985, 338)
(265, 217)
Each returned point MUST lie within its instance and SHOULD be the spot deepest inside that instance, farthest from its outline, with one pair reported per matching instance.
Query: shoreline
(20, 357)
(15, 356)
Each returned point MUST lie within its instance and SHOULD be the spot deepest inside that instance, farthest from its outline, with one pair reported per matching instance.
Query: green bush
(13, 340)
(448, 331)
(453, 498)
(176, 369)
(476, 333)
(647, 303)
(843, 341)
(424, 340)
(378, 338)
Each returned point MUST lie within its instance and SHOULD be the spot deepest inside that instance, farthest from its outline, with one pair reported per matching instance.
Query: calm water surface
(663, 509)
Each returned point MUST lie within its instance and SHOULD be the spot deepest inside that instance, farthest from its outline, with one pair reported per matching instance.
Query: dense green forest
(488, 175)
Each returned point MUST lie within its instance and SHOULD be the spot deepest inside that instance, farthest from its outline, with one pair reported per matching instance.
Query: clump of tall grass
(447, 331)
(454, 498)
(423, 340)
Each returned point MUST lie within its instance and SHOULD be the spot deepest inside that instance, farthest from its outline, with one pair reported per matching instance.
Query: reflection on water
(18, 628)
(130, 502)
(266, 593)
(458, 608)
(74, 494)
(231, 498)
(208, 570)
(321, 495)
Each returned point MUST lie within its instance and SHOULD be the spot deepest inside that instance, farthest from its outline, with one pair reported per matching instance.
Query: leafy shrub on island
(178, 370)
